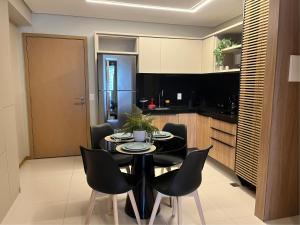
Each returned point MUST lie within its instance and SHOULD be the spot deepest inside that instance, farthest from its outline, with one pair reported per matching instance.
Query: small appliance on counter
(230, 106)
(143, 102)
(167, 102)
(152, 106)
(233, 105)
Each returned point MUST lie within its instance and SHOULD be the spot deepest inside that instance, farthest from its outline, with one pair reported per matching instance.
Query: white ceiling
(213, 12)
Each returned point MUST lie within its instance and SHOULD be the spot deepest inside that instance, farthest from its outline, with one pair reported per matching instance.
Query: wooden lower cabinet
(160, 120)
(228, 128)
(224, 154)
(203, 131)
(189, 119)
(223, 139)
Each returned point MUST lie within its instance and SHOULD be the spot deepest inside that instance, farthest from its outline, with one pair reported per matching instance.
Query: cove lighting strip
(193, 9)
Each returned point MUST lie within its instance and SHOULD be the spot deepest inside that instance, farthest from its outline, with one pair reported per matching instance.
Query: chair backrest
(189, 176)
(176, 146)
(102, 172)
(179, 130)
(98, 133)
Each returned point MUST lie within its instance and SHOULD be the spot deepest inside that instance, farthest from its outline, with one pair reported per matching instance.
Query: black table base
(143, 168)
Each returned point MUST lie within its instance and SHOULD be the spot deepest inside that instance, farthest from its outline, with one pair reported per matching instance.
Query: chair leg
(170, 198)
(110, 204)
(174, 206)
(128, 169)
(115, 205)
(134, 206)
(199, 207)
(179, 210)
(155, 208)
(91, 207)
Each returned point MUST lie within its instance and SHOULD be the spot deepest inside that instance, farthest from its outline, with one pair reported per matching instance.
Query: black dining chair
(172, 158)
(176, 129)
(181, 182)
(104, 177)
(98, 133)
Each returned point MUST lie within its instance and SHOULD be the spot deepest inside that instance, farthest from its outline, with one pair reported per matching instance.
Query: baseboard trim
(23, 161)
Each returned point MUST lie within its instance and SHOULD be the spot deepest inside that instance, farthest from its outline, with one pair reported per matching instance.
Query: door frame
(27, 83)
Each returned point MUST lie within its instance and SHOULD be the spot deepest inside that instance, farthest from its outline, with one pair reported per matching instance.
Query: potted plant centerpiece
(218, 52)
(139, 125)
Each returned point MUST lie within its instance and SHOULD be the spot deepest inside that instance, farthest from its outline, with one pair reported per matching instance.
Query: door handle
(81, 101)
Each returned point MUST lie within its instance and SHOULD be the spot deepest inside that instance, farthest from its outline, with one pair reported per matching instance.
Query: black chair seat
(179, 183)
(167, 160)
(103, 174)
(132, 180)
(185, 180)
(122, 160)
(162, 183)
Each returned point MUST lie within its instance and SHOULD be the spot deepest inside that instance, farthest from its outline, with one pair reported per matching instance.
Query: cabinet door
(160, 120)
(149, 55)
(189, 119)
(181, 56)
(223, 139)
(203, 132)
(208, 58)
(223, 153)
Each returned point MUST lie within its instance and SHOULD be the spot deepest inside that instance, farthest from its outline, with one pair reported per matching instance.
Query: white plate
(136, 146)
(122, 135)
(161, 134)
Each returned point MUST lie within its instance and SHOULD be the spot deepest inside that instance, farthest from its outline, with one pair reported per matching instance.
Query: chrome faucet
(160, 95)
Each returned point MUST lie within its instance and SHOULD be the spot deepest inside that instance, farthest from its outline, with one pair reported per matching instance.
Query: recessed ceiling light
(193, 9)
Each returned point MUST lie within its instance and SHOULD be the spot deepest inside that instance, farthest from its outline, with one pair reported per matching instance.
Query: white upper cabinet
(149, 55)
(166, 55)
(181, 56)
(208, 61)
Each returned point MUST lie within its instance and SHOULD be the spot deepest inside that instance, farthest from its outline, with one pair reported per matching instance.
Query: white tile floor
(54, 191)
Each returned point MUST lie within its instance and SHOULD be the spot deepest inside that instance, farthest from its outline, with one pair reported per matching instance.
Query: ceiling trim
(193, 9)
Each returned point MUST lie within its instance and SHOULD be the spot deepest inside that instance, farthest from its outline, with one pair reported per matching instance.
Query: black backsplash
(197, 90)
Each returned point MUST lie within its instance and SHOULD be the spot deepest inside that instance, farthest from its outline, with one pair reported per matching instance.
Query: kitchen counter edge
(223, 117)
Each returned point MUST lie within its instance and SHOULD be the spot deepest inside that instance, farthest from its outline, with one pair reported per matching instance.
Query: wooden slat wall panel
(251, 88)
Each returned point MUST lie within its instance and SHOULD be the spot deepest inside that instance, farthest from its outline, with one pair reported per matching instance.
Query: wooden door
(57, 89)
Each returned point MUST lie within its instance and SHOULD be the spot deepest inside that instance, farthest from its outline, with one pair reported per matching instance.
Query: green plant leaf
(136, 121)
(218, 52)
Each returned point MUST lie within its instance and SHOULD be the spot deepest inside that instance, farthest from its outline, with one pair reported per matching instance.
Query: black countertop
(205, 111)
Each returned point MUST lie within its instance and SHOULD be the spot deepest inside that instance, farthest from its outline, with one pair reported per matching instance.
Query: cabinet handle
(222, 131)
(222, 142)
(81, 101)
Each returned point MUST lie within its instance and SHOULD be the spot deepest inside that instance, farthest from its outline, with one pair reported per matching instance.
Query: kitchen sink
(162, 108)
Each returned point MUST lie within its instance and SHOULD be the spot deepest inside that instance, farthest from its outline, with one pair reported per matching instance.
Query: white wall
(9, 161)
(81, 26)
(19, 91)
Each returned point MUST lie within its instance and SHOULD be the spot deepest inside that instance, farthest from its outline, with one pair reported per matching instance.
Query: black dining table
(143, 169)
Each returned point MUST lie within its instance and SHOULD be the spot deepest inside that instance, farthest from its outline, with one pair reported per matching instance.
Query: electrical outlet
(179, 96)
